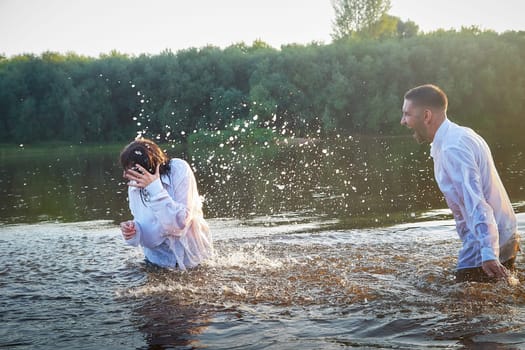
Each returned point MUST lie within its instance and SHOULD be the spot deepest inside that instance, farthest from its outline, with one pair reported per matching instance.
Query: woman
(167, 211)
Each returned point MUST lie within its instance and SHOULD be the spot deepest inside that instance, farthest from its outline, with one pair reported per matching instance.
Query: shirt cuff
(154, 188)
(133, 241)
(488, 254)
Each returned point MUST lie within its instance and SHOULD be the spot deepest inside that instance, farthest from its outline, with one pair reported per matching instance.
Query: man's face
(414, 118)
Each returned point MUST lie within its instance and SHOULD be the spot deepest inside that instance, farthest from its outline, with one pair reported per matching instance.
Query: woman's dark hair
(147, 154)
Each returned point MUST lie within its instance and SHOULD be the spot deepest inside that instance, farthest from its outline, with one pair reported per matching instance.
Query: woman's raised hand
(140, 177)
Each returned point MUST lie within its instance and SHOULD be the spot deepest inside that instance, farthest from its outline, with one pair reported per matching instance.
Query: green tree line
(353, 85)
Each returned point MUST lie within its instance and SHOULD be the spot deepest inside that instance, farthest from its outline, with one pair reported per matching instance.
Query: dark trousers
(476, 274)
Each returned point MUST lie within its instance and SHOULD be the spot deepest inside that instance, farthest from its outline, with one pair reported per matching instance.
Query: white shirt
(169, 221)
(466, 174)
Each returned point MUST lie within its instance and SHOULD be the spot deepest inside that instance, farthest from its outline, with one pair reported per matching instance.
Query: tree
(407, 29)
(349, 86)
(354, 17)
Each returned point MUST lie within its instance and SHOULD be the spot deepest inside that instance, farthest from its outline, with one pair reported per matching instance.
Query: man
(465, 173)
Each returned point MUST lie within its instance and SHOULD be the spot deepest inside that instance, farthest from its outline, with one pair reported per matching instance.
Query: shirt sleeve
(461, 223)
(463, 171)
(172, 210)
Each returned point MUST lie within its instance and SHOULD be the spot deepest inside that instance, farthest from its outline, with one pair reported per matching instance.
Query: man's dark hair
(428, 95)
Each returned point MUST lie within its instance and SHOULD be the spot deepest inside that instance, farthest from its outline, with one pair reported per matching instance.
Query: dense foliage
(349, 86)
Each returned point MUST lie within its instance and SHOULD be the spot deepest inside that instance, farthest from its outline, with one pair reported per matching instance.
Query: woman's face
(142, 157)
(143, 153)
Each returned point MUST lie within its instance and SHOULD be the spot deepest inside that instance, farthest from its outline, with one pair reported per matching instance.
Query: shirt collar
(439, 137)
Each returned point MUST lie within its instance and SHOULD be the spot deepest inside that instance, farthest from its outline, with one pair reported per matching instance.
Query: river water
(319, 245)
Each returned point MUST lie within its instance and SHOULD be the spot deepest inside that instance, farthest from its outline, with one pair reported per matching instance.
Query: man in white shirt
(465, 173)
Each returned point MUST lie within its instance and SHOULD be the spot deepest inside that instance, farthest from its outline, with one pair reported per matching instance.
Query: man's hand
(493, 268)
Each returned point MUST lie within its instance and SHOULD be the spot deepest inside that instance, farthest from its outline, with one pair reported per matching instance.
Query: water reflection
(317, 246)
(358, 181)
(164, 318)
(65, 184)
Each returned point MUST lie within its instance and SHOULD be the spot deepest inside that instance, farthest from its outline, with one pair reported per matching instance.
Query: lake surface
(319, 245)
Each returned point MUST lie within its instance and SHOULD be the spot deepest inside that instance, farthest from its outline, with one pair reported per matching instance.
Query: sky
(92, 27)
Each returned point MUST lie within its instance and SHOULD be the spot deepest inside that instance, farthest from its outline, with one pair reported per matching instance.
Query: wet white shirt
(466, 174)
(168, 217)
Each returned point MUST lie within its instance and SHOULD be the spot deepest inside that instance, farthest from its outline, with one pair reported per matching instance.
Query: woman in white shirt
(168, 222)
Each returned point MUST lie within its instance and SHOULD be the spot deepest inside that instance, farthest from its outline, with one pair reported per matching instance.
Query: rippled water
(75, 285)
(354, 250)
